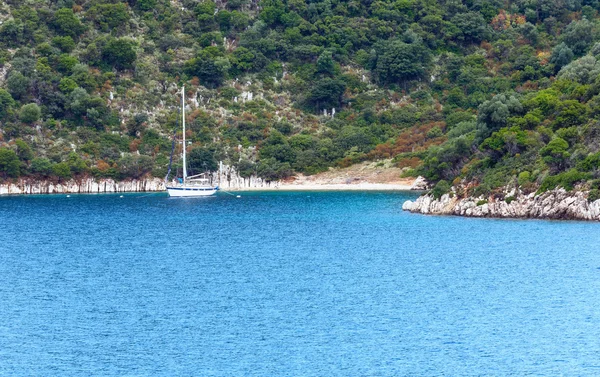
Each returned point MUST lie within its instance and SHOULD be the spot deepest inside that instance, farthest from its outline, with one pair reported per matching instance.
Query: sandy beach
(368, 176)
(365, 186)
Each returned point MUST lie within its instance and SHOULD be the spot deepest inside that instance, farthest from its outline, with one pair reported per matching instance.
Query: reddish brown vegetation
(413, 139)
(409, 162)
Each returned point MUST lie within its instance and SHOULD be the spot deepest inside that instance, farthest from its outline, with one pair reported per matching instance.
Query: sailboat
(194, 185)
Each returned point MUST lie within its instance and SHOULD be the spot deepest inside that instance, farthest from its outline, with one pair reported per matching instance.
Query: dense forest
(482, 91)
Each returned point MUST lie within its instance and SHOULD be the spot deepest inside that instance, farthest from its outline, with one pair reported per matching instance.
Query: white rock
(554, 204)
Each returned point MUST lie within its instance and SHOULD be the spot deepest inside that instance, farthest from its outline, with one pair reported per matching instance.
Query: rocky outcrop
(226, 177)
(81, 186)
(229, 179)
(555, 204)
(420, 184)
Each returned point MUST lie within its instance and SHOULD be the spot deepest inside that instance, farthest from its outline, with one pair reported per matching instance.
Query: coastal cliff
(80, 186)
(554, 204)
(364, 176)
(227, 180)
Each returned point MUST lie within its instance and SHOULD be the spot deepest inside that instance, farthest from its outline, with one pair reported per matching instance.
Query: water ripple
(290, 284)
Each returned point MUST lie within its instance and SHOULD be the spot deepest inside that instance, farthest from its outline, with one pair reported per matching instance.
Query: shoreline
(275, 188)
(327, 187)
(557, 204)
(367, 176)
(90, 186)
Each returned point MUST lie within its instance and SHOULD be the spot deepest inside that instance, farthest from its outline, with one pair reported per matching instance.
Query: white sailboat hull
(186, 192)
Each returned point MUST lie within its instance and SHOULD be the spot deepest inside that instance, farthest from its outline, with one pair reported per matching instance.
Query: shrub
(6, 102)
(61, 170)
(590, 163)
(481, 202)
(67, 23)
(109, 16)
(567, 180)
(30, 113)
(524, 177)
(555, 153)
(441, 188)
(509, 199)
(41, 166)
(65, 43)
(119, 53)
(9, 163)
(593, 195)
(434, 132)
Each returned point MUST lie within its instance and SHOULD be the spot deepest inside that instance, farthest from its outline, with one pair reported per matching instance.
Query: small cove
(290, 283)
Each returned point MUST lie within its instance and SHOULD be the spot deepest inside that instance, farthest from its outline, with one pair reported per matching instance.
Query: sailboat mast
(183, 122)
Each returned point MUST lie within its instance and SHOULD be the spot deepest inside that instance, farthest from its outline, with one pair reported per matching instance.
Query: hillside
(486, 92)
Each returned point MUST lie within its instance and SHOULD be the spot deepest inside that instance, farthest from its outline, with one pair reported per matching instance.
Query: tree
(17, 84)
(11, 33)
(354, 137)
(325, 64)
(210, 69)
(471, 27)
(246, 168)
(202, 160)
(494, 114)
(146, 5)
(579, 35)
(136, 125)
(272, 11)
(242, 59)
(61, 171)
(66, 63)
(583, 70)
(6, 102)
(41, 166)
(109, 16)
(561, 56)
(555, 154)
(78, 101)
(66, 43)
(135, 166)
(9, 163)
(277, 147)
(66, 23)
(441, 188)
(24, 151)
(570, 113)
(76, 164)
(119, 53)
(30, 113)
(67, 85)
(400, 62)
(507, 140)
(327, 93)
(272, 170)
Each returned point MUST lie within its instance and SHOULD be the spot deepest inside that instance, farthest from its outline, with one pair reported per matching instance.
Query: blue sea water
(290, 284)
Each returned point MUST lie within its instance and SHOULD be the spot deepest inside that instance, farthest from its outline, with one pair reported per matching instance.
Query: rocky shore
(104, 186)
(80, 186)
(363, 177)
(554, 204)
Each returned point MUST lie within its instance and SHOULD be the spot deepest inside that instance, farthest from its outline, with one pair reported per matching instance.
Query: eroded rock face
(227, 178)
(555, 204)
(420, 184)
(81, 186)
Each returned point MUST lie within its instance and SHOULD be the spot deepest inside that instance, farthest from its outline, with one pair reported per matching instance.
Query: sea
(291, 284)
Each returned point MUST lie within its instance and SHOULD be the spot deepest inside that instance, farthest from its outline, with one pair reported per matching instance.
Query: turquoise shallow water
(290, 284)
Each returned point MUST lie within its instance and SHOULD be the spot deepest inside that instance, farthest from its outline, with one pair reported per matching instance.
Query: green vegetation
(491, 92)
(441, 188)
